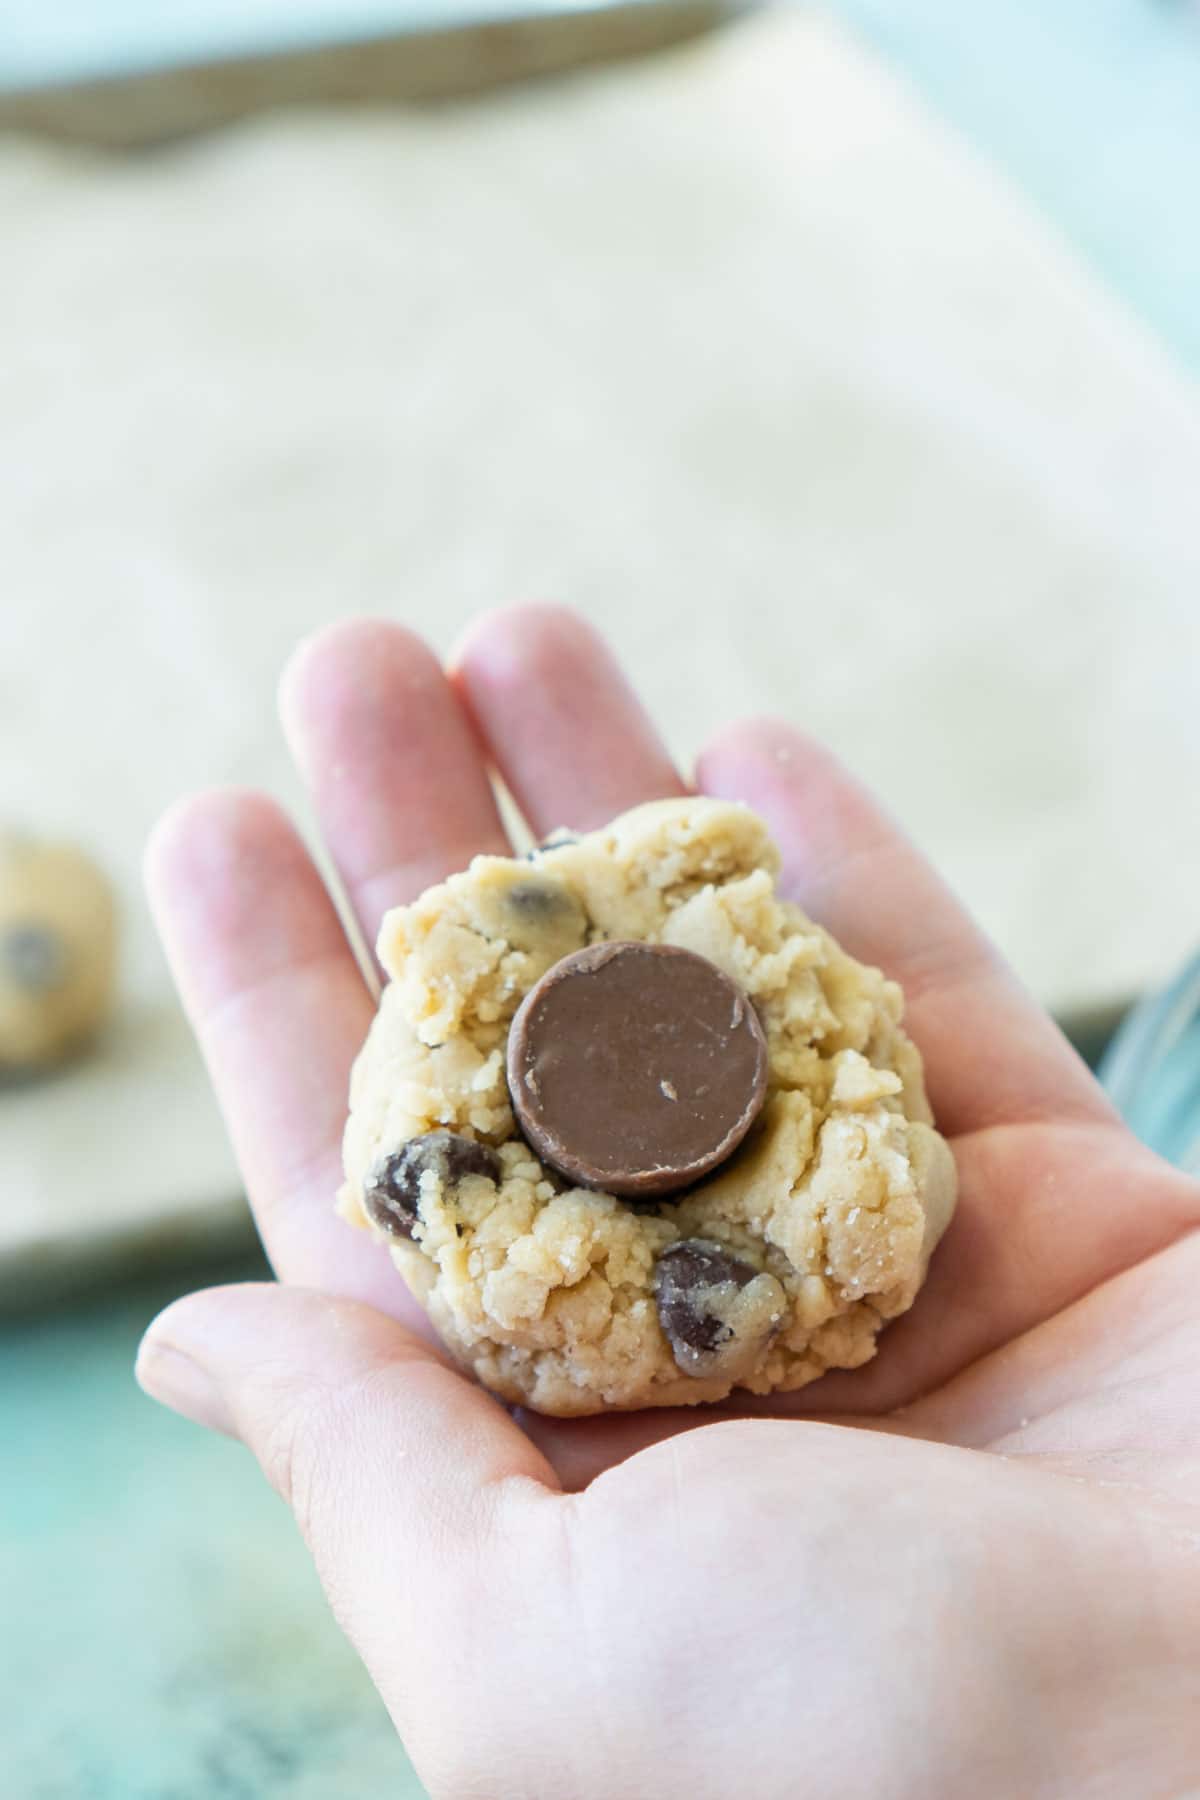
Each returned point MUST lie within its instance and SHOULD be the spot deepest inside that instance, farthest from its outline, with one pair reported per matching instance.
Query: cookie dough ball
(57, 952)
(684, 1278)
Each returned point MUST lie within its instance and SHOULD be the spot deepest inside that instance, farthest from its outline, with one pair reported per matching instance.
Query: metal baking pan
(123, 74)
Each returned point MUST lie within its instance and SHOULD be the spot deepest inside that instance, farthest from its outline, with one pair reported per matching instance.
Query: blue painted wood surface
(164, 1636)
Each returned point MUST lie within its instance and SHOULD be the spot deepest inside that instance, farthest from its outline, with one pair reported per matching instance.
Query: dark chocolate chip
(34, 957)
(463, 1156)
(557, 840)
(684, 1281)
(538, 900)
(636, 1068)
(392, 1191)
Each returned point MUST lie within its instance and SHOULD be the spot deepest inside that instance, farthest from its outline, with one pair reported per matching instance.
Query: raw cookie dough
(784, 1262)
(57, 951)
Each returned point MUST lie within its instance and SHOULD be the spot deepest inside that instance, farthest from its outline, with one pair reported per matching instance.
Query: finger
(991, 1054)
(410, 1485)
(251, 1359)
(566, 730)
(395, 772)
(280, 1008)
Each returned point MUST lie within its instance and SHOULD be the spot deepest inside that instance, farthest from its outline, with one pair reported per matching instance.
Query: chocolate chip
(557, 840)
(392, 1191)
(534, 911)
(463, 1156)
(689, 1277)
(34, 957)
(718, 1312)
(636, 1068)
(537, 900)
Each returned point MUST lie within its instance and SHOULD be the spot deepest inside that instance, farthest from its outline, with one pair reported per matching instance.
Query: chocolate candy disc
(636, 1067)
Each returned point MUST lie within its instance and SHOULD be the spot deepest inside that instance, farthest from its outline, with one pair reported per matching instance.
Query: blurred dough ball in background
(58, 947)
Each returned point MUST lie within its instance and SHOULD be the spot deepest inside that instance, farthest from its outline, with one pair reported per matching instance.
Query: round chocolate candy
(636, 1068)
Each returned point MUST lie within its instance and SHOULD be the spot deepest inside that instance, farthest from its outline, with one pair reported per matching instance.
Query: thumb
(404, 1477)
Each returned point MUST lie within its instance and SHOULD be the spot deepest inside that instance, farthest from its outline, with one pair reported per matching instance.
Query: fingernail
(169, 1375)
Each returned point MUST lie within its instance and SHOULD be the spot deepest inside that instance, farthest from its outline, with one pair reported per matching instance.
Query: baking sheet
(126, 72)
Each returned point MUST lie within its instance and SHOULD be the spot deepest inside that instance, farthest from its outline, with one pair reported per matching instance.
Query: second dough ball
(57, 952)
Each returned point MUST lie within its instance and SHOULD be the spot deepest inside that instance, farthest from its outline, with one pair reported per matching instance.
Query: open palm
(973, 1564)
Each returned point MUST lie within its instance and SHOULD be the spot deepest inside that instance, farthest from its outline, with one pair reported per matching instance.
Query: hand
(971, 1567)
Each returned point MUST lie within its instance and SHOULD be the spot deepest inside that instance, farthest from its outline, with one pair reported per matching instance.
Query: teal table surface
(164, 1634)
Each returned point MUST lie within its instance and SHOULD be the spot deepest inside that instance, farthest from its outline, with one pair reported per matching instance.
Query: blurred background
(838, 361)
